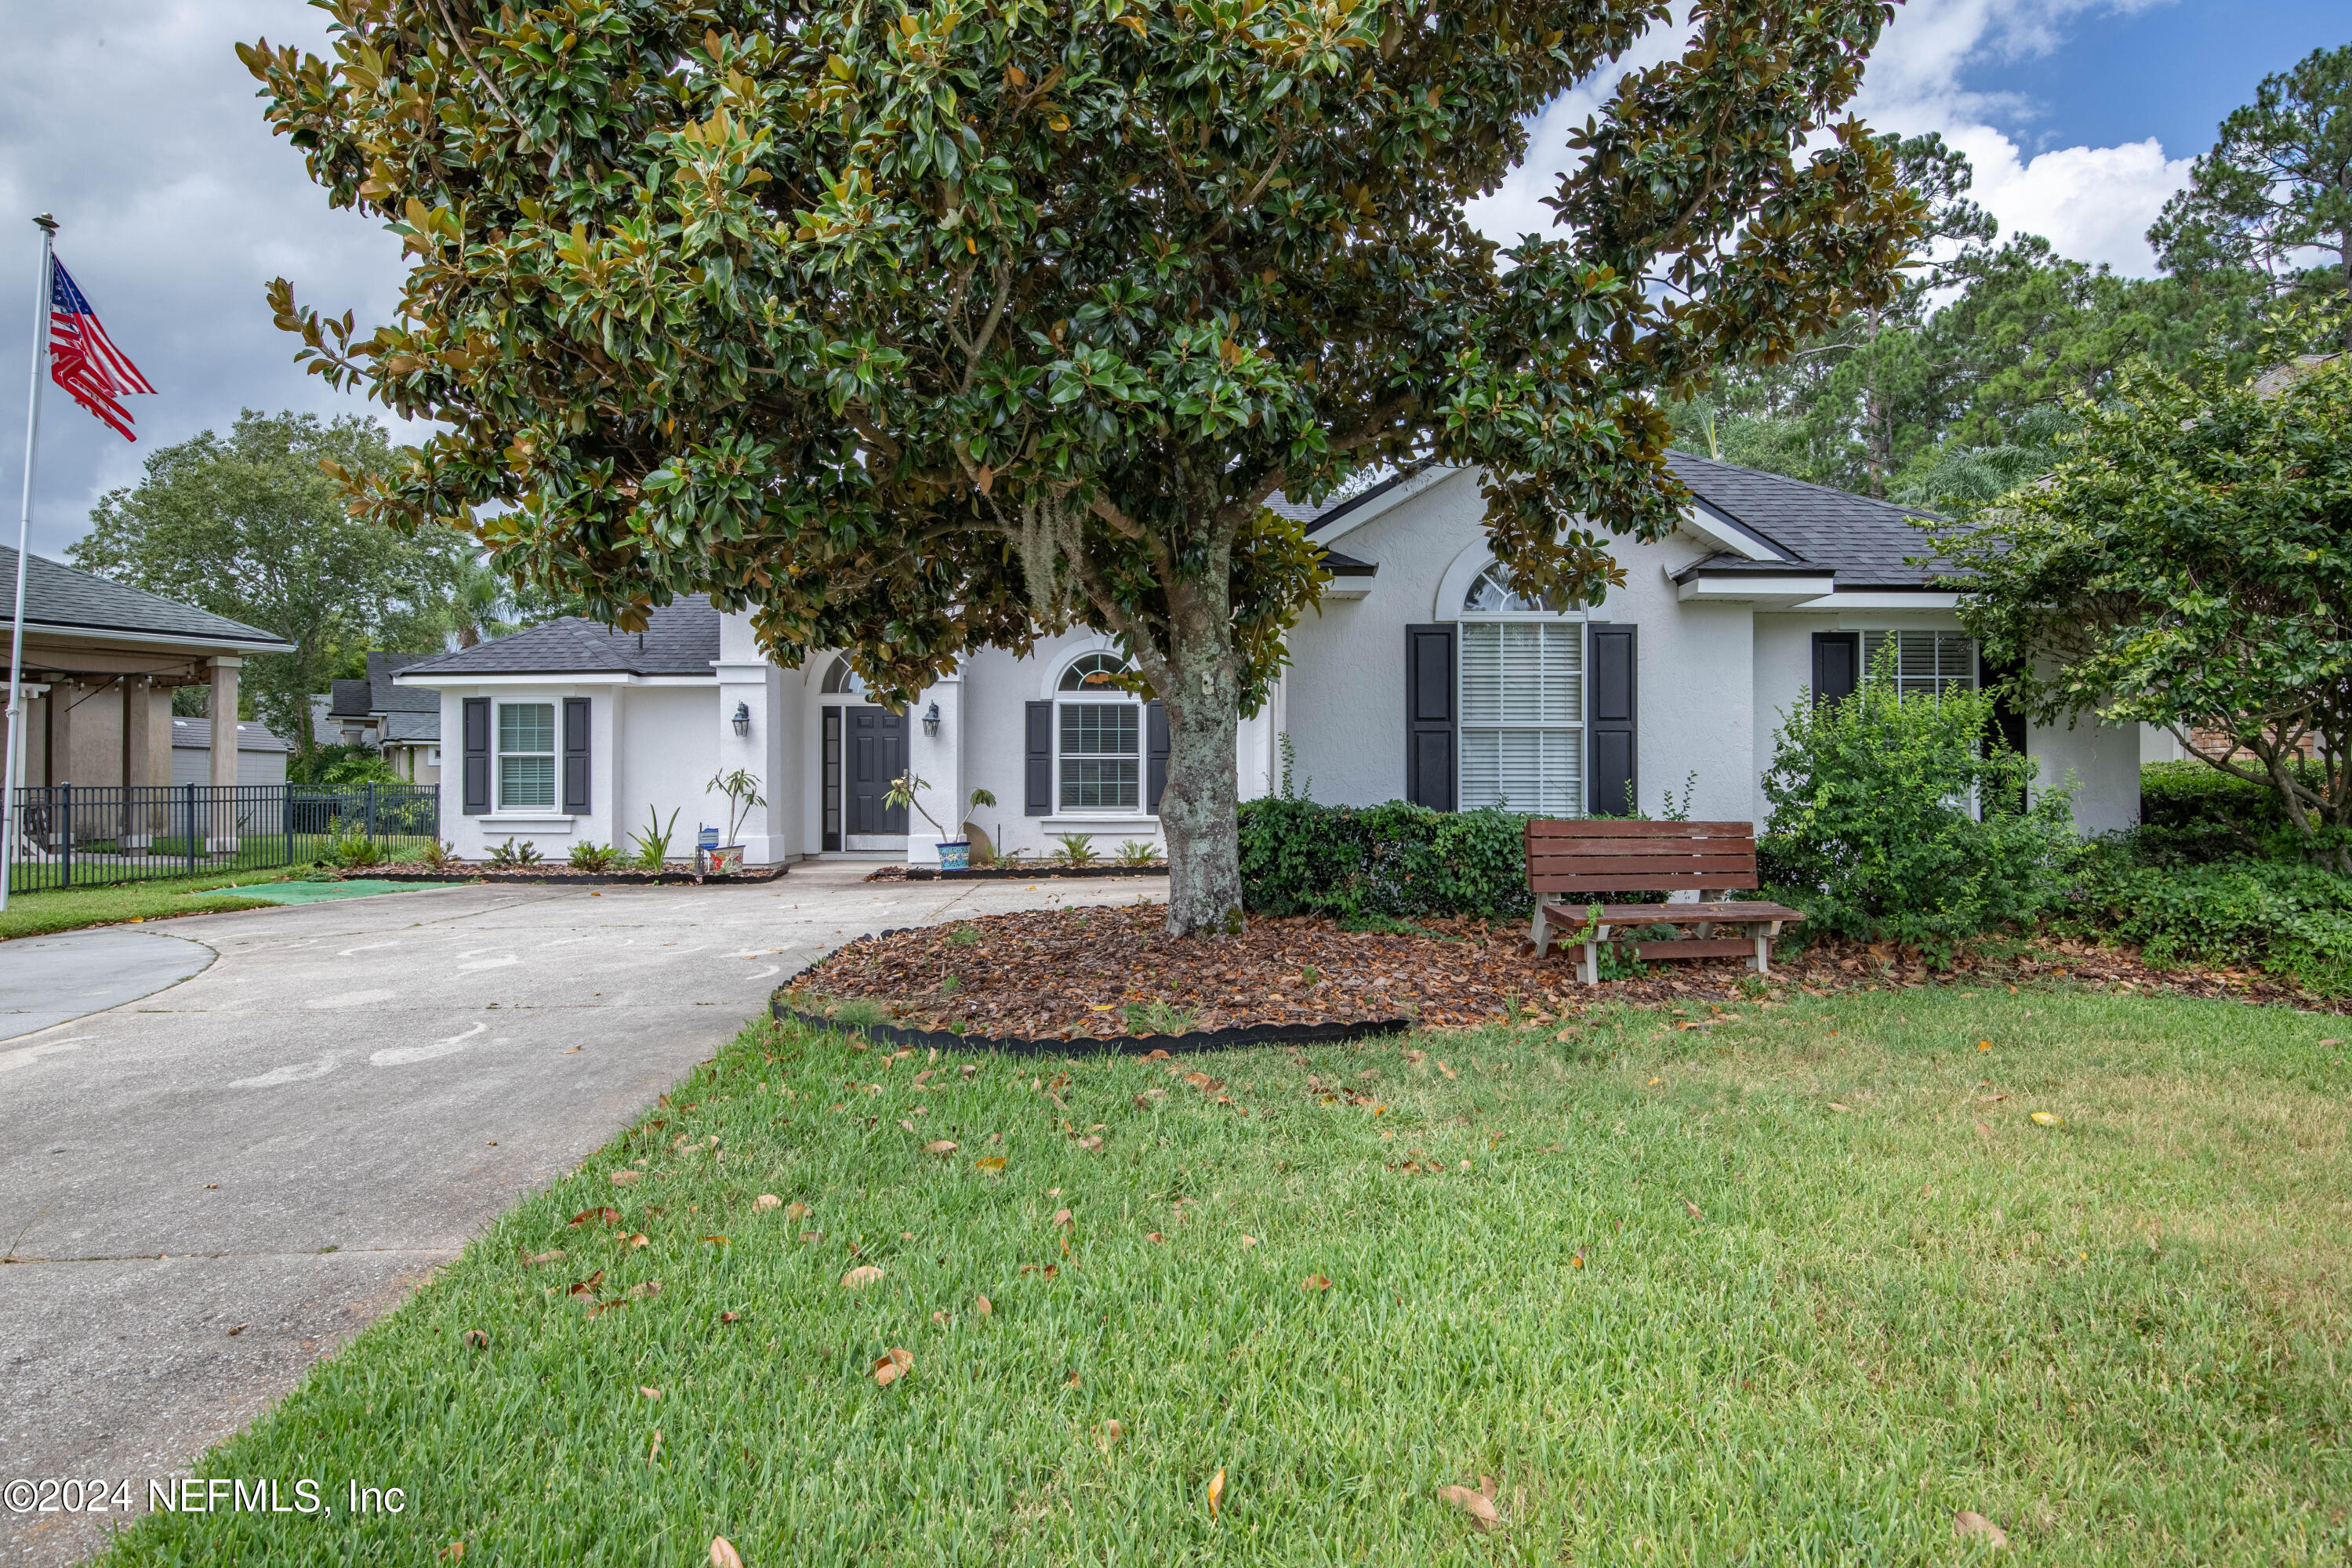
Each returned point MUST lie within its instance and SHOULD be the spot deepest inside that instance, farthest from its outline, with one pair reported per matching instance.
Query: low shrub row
(2191, 814)
(1400, 860)
(2289, 918)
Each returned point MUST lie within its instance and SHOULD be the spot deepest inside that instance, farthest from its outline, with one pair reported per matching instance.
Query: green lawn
(2122, 1337)
(37, 914)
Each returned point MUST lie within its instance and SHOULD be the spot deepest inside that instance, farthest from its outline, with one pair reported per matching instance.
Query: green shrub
(1397, 860)
(2191, 814)
(593, 859)
(2289, 918)
(1873, 832)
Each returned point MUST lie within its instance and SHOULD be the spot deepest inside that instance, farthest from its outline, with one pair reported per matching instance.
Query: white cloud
(2093, 204)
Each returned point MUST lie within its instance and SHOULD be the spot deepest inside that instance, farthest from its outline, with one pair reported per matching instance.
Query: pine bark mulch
(1073, 973)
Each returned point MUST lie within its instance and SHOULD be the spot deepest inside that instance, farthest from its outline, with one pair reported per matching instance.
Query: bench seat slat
(1571, 917)
(1545, 850)
(1647, 882)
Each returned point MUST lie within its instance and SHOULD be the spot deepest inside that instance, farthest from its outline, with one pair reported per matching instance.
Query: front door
(877, 753)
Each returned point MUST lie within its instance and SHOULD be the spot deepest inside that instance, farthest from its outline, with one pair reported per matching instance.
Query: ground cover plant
(1779, 1283)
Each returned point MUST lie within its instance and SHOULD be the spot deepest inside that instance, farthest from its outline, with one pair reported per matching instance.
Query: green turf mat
(313, 892)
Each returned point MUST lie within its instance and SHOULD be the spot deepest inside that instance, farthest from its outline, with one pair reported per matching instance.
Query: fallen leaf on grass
(1695, 1212)
(723, 1553)
(1984, 1131)
(601, 1216)
(476, 1340)
(890, 1367)
(1154, 1236)
(1986, 1044)
(642, 1288)
(635, 1238)
(862, 1276)
(731, 1316)
(1967, 1521)
(1107, 1435)
(767, 1201)
(1847, 1108)
(538, 1257)
(455, 1551)
(1315, 1282)
(649, 1391)
(2045, 1118)
(1048, 1270)
(1448, 1071)
(1249, 1241)
(993, 1162)
(796, 1211)
(1091, 1145)
(940, 1146)
(717, 1240)
(622, 1178)
(1216, 1492)
(1654, 1083)
(1416, 1055)
(652, 1450)
(2331, 1042)
(1061, 1217)
(982, 1305)
(588, 1287)
(1477, 1504)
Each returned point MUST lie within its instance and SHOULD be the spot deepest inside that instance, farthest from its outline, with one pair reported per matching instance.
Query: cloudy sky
(135, 123)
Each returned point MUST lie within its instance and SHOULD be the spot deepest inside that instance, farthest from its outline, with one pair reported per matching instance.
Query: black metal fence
(89, 836)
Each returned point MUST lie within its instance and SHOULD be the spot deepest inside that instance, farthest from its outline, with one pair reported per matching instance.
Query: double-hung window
(1098, 734)
(526, 755)
(1924, 662)
(1522, 713)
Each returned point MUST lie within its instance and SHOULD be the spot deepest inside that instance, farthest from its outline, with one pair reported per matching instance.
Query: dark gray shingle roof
(66, 597)
(1863, 541)
(389, 697)
(348, 700)
(679, 638)
(415, 727)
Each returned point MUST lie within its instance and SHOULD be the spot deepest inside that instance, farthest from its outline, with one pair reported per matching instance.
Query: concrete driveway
(205, 1189)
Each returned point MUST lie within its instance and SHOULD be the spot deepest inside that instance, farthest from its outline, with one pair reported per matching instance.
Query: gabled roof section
(197, 734)
(387, 696)
(1864, 543)
(1365, 498)
(680, 638)
(62, 598)
(348, 700)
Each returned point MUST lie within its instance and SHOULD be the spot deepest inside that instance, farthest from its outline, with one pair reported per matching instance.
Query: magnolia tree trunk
(1196, 813)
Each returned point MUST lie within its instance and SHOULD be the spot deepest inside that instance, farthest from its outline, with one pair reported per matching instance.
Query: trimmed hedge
(2289, 918)
(1403, 860)
(2194, 815)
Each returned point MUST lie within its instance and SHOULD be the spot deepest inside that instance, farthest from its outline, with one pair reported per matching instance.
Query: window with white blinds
(1926, 661)
(1522, 716)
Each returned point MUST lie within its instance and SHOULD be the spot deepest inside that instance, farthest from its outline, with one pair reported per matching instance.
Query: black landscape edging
(1230, 1039)
(1013, 873)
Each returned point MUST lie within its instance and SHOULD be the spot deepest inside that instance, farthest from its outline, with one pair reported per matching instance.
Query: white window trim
(1140, 812)
(498, 755)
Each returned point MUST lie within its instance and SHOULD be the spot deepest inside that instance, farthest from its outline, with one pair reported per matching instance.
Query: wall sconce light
(931, 721)
(742, 718)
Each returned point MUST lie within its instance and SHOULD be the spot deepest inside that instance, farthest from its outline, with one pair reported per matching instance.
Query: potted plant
(742, 791)
(955, 854)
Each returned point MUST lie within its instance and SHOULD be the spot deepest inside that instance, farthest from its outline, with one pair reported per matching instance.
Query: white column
(937, 761)
(220, 814)
(743, 692)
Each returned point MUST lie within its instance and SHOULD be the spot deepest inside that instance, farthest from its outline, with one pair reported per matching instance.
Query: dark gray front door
(878, 753)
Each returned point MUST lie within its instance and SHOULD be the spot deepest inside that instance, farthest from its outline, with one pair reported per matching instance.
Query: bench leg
(1763, 947)
(1589, 970)
(1541, 934)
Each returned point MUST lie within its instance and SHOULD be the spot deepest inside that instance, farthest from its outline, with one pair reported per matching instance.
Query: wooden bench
(1595, 859)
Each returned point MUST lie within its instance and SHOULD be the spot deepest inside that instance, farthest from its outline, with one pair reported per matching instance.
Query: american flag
(83, 359)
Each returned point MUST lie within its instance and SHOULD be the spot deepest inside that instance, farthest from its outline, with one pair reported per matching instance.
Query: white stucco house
(1422, 677)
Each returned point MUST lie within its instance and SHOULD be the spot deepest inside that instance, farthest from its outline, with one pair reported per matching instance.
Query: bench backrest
(1639, 857)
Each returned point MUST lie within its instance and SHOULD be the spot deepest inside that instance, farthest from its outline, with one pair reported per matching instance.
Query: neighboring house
(260, 755)
(101, 660)
(1422, 677)
(402, 722)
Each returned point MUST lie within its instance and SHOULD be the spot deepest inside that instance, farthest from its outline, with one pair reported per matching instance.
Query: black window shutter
(1432, 728)
(1837, 666)
(1155, 755)
(1611, 709)
(1039, 773)
(575, 756)
(477, 766)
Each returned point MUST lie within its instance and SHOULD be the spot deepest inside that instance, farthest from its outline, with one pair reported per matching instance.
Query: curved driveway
(203, 1190)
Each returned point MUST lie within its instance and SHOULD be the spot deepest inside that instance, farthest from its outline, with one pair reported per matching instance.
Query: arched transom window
(1522, 700)
(1098, 738)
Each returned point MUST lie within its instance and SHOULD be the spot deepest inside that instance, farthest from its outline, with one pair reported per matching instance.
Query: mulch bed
(1013, 873)
(1069, 974)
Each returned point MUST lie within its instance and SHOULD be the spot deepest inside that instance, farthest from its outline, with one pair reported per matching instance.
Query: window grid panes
(1924, 661)
(1523, 716)
(1101, 763)
(527, 754)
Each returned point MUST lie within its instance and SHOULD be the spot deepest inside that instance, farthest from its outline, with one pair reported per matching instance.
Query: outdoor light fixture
(742, 718)
(931, 721)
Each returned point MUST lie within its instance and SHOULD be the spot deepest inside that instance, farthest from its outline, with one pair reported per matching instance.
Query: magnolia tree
(918, 329)
(2188, 563)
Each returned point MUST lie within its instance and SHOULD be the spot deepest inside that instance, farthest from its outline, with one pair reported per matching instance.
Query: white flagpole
(48, 227)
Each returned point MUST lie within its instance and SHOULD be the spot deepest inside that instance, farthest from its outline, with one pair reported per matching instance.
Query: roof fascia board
(1379, 505)
(1749, 586)
(1727, 533)
(1866, 599)
(196, 640)
(453, 679)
